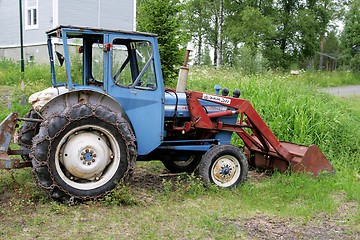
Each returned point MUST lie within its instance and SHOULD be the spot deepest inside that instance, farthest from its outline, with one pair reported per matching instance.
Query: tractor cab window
(76, 62)
(97, 64)
(86, 60)
(133, 64)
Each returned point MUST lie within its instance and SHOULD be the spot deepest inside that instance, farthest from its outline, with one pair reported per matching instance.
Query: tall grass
(327, 79)
(36, 77)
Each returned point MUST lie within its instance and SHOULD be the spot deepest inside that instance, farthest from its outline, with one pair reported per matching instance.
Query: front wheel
(83, 152)
(224, 165)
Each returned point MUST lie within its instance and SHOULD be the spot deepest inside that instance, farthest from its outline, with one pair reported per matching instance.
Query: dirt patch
(322, 226)
(271, 227)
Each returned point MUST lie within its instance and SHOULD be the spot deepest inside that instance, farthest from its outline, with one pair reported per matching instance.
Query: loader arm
(262, 147)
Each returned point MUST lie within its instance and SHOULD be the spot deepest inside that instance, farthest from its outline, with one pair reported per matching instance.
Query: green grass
(35, 78)
(190, 211)
(181, 207)
(327, 79)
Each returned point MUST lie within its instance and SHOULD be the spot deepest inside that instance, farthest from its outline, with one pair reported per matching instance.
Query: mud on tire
(82, 153)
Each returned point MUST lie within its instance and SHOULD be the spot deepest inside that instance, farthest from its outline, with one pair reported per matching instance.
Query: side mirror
(60, 58)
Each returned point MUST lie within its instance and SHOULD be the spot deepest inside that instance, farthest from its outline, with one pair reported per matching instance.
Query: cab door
(134, 79)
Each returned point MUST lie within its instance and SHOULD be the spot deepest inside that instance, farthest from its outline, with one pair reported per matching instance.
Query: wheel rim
(225, 171)
(87, 157)
(185, 163)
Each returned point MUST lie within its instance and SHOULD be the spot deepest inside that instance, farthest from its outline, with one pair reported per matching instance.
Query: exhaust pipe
(184, 70)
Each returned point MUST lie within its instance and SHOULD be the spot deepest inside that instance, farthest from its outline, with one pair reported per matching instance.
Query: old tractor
(108, 108)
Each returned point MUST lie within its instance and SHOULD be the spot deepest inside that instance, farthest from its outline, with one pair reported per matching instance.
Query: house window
(31, 14)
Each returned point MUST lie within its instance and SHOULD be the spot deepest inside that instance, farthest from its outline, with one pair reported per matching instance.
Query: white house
(39, 16)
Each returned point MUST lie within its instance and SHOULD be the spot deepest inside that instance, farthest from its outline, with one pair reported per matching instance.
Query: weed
(57, 208)
(186, 185)
(121, 195)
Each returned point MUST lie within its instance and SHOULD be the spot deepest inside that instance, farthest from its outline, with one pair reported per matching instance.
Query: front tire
(224, 165)
(83, 152)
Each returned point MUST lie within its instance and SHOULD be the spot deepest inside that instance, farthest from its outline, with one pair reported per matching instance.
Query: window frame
(30, 16)
(130, 61)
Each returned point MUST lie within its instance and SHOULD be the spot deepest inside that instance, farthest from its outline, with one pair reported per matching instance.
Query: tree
(219, 41)
(197, 24)
(351, 36)
(284, 32)
(162, 17)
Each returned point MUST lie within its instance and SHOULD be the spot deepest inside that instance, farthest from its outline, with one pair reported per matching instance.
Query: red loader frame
(262, 148)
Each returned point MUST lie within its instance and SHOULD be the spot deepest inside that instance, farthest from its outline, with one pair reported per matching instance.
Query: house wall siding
(9, 26)
(36, 36)
(117, 15)
(10, 23)
(112, 14)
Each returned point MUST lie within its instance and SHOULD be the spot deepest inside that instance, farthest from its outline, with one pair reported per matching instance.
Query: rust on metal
(13, 163)
(7, 129)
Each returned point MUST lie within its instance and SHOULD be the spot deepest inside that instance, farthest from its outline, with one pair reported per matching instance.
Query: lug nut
(84, 162)
(89, 163)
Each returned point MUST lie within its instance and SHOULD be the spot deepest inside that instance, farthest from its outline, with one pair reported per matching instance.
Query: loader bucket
(301, 159)
(308, 159)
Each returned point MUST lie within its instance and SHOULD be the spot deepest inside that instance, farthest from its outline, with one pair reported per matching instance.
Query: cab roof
(56, 31)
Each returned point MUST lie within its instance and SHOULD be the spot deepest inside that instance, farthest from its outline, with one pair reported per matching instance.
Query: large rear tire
(83, 152)
(224, 165)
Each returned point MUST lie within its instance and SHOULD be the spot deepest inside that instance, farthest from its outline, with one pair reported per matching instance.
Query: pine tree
(162, 17)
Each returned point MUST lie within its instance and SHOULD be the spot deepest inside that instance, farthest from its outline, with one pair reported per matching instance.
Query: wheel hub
(225, 170)
(85, 155)
(88, 156)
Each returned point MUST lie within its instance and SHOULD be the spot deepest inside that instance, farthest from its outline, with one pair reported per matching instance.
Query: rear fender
(66, 100)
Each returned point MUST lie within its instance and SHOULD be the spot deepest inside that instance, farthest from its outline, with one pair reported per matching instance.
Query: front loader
(86, 132)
